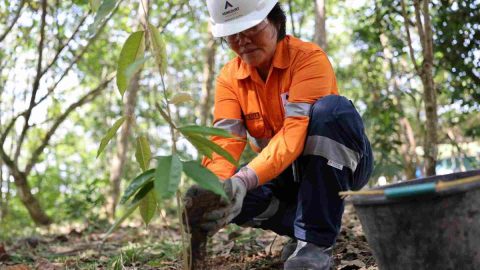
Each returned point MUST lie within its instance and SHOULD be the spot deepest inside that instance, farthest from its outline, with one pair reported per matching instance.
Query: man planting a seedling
(280, 94)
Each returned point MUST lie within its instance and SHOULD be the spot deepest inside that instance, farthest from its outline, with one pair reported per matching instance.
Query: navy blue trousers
(337, 157)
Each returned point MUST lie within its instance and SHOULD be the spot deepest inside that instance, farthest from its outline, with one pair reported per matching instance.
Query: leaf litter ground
(159, 247)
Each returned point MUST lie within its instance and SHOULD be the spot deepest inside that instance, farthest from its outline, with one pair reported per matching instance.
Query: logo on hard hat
(227, 5)
(229, 13)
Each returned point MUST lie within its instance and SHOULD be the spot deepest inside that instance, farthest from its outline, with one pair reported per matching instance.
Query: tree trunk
(320, 36)
(425, 71)
(27, 198)
(2, 200)
(408, 149)
(6, 200)
(118, 161)
(208, 75)
(429, 93)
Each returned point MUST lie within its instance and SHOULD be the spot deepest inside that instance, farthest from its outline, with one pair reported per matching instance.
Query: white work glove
(216, 219)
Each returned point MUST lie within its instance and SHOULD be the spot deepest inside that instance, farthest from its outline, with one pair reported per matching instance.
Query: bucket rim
(381, 199)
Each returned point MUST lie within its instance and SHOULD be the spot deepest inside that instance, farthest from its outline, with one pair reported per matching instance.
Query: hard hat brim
(243, 23)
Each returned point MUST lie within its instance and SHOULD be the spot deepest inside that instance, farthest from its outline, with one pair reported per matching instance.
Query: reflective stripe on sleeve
(234, 126)
(331, 150)
(260, 143)
(297, 109)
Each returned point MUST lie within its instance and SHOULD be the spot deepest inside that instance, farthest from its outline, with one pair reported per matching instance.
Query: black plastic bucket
(433, 231)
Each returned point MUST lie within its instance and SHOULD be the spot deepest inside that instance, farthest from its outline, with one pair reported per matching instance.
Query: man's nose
(243, 39)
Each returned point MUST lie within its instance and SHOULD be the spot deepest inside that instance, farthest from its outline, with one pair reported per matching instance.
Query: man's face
(256, 45)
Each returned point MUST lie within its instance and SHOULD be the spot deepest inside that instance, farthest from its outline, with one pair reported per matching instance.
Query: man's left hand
(217, 219)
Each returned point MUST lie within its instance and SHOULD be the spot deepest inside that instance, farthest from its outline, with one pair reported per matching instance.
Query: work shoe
(288, 249)
(308, 256)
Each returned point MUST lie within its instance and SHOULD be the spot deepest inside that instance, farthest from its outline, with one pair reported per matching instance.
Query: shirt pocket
(255, 124)
(253, 116)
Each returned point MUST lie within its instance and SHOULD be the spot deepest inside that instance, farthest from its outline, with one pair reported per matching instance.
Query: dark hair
(279, 19)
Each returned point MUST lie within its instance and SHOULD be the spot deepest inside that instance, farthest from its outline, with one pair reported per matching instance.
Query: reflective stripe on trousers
(337, 156)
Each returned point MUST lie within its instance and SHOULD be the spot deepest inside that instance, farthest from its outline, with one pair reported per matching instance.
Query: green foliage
(127, 257)
(144, 190)
(207, 148)
(457, 45)
(167, 176)
(105, 9)
(159, 48)
(169, 169)
(110, 133)
(148, 207)
(204, 177)
(79, 205)
(192, 130)
(94, 4)
(143, 153)
(132, 50)
(137, 183)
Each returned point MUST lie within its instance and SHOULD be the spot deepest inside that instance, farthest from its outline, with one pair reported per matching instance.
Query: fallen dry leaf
(16, 267)
(43, 264)
(3, 254)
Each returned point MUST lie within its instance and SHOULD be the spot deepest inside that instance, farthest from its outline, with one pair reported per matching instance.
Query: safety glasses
(249, 33)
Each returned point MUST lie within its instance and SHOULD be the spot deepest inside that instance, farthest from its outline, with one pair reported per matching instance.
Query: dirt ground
(159, 247)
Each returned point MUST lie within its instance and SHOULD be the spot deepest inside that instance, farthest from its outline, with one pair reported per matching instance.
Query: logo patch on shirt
(252, 116)
(335, 164)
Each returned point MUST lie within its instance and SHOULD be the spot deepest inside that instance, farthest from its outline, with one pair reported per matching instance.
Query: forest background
(410, 67)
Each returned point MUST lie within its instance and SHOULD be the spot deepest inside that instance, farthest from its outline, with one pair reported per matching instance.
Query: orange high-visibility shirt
(274, 114)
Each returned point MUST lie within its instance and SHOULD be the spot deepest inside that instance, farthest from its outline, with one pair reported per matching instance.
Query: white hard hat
(233, 16)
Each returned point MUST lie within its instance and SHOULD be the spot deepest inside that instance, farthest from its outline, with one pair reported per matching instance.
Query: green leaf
(94, 4)
(167, 176)
(148, 206)
(206, 131)
(204, 177)
(138, 182)
(132, 50)
(143, 153)
(105, 8)
(181, 98)
(119, 221)
(206, 147)
(159, 48)
(110, 133)
(143, 192)
(135, 67)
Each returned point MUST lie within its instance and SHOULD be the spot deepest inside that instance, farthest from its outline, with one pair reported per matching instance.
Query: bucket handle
(413, 190)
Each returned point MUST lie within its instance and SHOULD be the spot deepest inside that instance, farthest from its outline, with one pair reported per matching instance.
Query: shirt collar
(281, 60)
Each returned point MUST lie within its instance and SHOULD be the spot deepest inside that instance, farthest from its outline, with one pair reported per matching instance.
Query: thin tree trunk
(292, 21)
(208, 75)
(408, 149)
(429, 93)
(6, 201)
(425, 72)
(27, 198)
(2, 200)
(118, 160)
(320, 36)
